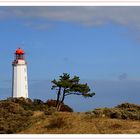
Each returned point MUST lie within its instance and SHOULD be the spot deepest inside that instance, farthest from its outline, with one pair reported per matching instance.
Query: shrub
(28, 104)
(63, 108)
(115, 115)
(38, 102)
(66, 108)
(123, 111)
(129, 106)
(13, 117)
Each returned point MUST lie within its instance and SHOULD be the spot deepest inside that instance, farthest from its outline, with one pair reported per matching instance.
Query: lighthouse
(19, 75)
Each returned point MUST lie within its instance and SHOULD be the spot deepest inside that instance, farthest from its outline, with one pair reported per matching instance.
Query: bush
(116, 114)
(51, 103)
(128, 106)
(38, 102)
(66, 108)
(63, 108)
(13, 117)
(28, 104)
(123, 111)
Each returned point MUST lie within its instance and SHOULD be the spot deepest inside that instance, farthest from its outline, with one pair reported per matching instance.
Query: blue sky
(101, 45)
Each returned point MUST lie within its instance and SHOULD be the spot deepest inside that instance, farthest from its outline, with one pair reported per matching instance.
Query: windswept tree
(69, 86)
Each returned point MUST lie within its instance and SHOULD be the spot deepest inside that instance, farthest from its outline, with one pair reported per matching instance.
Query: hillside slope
(20, 116)
(81, 123)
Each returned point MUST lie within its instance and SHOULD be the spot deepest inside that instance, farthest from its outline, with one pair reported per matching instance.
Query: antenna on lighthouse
(19, 75)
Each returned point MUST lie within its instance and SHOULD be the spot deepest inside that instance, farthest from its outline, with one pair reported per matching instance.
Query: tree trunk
(60, 103)
(63, 97)
(58, 96)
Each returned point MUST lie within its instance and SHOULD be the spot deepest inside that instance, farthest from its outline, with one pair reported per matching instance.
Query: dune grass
(21, 116)
(80, 123)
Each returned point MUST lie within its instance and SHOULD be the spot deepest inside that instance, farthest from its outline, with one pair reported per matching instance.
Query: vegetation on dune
(81, 123)
(16, 113)
(56, 122)
(35, 116)
(63, 108)
(13, 117)
(123, 111)
(29, 104)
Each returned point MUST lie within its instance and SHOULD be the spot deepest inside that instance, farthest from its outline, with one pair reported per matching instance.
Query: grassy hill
(80, 123)
(22, 116)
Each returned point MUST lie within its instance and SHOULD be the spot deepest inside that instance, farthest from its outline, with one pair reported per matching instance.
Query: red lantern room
(19, 54)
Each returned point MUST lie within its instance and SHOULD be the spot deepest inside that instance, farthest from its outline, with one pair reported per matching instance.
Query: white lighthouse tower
(19, 77)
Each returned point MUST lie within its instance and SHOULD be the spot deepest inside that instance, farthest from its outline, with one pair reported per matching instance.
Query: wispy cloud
(83, 15)
(38, 26)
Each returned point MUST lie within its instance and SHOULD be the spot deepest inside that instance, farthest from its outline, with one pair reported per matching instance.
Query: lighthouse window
(19, 56)
(25, 78)
(25, 69)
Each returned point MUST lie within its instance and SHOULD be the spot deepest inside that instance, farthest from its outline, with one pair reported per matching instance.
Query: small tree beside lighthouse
(69, 86)
(19, 75)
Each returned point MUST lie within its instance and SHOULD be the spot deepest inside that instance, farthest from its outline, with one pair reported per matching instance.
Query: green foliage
(68, 86)
(71, 85)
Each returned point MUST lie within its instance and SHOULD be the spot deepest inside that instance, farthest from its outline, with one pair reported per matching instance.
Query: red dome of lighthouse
(19, 51)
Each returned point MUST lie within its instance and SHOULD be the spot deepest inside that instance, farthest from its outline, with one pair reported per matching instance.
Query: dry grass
(81, 123)
(35, 117)
(37, 113)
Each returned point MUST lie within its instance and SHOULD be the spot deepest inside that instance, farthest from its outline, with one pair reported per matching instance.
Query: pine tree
(69, 86)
